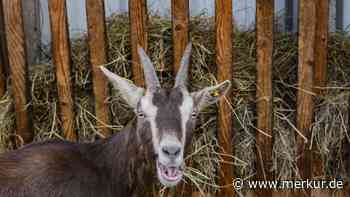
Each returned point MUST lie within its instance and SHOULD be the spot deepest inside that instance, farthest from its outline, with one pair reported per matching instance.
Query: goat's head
(170, 114)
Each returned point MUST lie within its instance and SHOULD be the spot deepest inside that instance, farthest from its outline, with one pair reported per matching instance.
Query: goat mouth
(171, 174)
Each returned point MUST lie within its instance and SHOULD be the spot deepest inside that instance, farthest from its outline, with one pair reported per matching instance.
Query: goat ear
(129, 91)
(210, 95)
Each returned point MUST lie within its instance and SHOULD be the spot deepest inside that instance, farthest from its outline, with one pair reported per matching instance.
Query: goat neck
(128, 155)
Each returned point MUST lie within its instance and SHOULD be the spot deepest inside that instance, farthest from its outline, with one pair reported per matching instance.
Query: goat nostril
(165, 151)
(171, 150)
(177, 152)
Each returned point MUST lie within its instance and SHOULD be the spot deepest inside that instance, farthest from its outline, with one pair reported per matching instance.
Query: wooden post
(180, 28)
(32, 22)
(138, 22)
(18, 67)
(62, 61)
(305, 103)
(98, 56)
(264, 137)
(321, 44)
(223, 21)
(3, 55)
(180, 22)
(321, 47)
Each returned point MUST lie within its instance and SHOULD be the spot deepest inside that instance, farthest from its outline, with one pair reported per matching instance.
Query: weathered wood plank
(180, 29)
(305, 103)
(3, 61)
(180, 26)
(224, 27)
(18, 67)
(62, 61)
(321, 44)
(321, 48)
(264, 137)
(32, 30)
(98, 56)
(138, 22)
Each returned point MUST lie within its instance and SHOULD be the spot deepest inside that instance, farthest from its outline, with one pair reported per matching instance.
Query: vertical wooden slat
(62, 61)
(180, 29)
(180, 24)
(305, 104)
(321, 44)
(15, 42)
(97, 43)
(138, 22)
(32, 30)
(321, 47)
(223, 21)
(2, 53)
(264, 138)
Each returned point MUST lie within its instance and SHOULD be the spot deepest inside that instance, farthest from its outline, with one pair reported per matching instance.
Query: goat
(150, 147)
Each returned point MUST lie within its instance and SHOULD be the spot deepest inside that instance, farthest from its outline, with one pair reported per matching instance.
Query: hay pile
(331, 117)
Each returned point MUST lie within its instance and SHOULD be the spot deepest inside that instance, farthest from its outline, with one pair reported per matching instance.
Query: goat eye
(140, 115)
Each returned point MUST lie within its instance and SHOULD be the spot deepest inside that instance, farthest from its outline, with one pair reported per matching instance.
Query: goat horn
(151, 78)
(182, 74)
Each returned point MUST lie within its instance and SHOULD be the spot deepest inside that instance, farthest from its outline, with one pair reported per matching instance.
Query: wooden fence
(313, 32)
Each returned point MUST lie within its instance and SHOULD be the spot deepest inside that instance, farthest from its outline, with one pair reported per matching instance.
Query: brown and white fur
(150, 147)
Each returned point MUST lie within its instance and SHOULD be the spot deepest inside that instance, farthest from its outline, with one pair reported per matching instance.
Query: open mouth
(171, 174)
